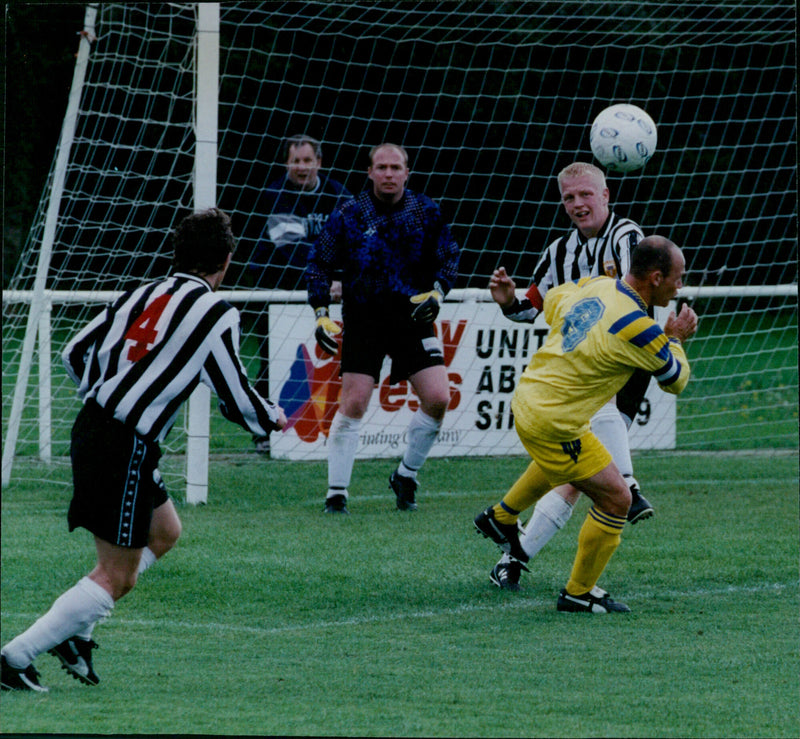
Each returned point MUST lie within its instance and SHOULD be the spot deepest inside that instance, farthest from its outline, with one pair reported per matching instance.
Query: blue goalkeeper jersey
(382, 251)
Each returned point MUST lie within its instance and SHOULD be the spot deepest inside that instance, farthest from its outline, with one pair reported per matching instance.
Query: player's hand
(326, 332)
(426, 306)
(502, 287)
(281, 422)
(336, 291)
(681, 326)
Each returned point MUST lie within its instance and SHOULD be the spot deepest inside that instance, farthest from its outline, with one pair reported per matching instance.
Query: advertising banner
(484, 355)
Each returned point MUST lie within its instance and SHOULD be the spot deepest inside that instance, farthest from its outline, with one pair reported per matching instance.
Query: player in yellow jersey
(599, 334)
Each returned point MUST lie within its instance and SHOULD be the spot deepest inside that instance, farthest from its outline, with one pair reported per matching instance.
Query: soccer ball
(623, 137)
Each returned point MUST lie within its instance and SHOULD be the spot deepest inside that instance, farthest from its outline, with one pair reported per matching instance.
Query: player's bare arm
(502, 287)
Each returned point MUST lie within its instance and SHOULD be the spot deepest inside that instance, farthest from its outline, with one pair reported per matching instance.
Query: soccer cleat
(405, 488)
(640, 507)
(336, 504)
(261, 444)
(596, 600)
(506, 574)
(505, 535)
(75, 656)
(12, 678)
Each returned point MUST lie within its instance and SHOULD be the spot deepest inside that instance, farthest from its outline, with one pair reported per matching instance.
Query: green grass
(743, 393)
(270, 618)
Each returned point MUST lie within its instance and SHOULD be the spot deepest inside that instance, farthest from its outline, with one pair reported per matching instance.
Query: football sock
(504, 514)
(72, 613)
(342, 445)
(422, 433)
(598, 540)
(148, 559)
(609, 426)
(549, 515)
(530, 486)
(405, 471)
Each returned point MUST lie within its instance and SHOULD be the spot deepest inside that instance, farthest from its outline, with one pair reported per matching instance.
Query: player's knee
(621, 500)
(354, 405)
(354, 409)
(569, 493)
(436, 407)
(165, 529)
(126, 584)
(166, 537)
(121, 582)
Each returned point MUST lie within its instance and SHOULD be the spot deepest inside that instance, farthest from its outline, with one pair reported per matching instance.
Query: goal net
(491, 99)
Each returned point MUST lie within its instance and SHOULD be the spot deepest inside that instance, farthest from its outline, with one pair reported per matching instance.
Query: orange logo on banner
(310, 396)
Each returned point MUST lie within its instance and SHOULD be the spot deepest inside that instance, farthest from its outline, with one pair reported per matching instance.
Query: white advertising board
(484, 355)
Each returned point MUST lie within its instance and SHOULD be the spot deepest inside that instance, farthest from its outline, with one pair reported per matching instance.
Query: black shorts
(370, 335)
(116, 480)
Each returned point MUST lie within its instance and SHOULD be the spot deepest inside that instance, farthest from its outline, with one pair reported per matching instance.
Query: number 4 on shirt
(143, 331)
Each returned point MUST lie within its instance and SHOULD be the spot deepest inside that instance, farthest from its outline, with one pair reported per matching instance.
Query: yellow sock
(530, 486)
(598, 540)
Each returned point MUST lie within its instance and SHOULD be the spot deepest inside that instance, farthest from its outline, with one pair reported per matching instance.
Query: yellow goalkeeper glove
(326, 332)
(426, 305)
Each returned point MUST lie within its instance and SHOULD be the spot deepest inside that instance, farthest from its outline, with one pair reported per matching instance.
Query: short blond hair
(580, 169)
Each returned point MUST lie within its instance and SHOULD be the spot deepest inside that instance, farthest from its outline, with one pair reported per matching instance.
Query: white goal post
(177, 106)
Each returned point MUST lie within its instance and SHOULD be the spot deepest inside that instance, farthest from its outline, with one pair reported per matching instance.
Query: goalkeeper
(599, 244)
(397, 260)
(599, 334)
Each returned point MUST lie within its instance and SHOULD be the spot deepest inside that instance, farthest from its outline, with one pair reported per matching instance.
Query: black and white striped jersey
(573, 256)
(142, 357)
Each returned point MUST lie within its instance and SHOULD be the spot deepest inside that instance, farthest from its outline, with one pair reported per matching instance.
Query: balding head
(656, 271)
(652, 252)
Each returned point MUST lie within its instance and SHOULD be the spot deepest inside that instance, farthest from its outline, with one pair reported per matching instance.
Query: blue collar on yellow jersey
(625, 288)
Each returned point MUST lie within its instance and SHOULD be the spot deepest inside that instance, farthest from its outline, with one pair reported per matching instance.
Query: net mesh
(491, 99)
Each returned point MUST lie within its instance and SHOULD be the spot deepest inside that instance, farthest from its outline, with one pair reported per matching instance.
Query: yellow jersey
(599, 333)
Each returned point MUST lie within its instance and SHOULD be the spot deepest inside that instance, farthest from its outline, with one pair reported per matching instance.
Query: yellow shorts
(567, 461)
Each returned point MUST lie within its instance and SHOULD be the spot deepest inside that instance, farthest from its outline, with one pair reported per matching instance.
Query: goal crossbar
(63, 297)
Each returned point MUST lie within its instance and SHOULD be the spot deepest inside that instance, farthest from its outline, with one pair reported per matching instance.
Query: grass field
(270, 618)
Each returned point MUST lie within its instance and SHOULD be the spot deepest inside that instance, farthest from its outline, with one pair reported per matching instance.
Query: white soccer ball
(623, 137)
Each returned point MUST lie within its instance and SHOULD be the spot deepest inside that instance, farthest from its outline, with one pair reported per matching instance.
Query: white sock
(422, 433)
(609, 426)
(342, 446)
(404, 471)
(73, 612)
(148, 559)
(550, 514)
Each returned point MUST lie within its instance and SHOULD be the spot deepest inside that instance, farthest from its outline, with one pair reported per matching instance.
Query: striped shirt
(142, 357)
(574, 256)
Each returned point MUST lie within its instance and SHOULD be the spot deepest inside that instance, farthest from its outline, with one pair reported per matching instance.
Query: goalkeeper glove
(426, 305)
(326, 331)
